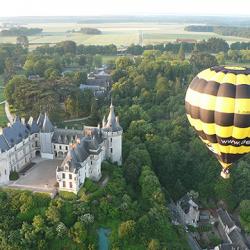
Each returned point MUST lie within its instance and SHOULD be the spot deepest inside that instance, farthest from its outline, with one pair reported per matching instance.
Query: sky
(123, 7)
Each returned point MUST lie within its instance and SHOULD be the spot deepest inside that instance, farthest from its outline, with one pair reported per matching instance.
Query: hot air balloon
(218, 107)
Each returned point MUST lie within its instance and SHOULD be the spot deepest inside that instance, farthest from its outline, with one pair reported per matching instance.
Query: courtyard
(41, 177)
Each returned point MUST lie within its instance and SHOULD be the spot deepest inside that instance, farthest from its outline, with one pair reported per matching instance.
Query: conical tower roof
(40, 120)
(112, 124)
(47, 125)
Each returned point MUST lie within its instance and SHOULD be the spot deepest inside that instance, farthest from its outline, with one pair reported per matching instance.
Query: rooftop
(225, 218)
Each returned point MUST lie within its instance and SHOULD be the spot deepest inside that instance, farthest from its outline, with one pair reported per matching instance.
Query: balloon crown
(231, 69)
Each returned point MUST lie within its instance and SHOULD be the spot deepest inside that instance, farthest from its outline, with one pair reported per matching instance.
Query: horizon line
(132, 15)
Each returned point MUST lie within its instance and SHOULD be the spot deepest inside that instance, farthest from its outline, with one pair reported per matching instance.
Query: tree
(82, 60)
(38, 223)
(127, 230)
(80, 77)
(23, 41)
(154, 245)
(98, 61)
(61, 230)
(78, 233)
(245, 214)
(220, 58)
(216, 45)
(181, 53)
(201, 61)
(52, 214)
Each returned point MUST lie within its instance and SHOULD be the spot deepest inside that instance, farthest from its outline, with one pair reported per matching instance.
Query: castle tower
(46, 134)
(112, 132)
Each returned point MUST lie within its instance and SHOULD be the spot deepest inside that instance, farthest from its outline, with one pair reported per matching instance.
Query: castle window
(54, 146)
(66, 147)
(111, 150)
(70, 176)
(64, 184)
(110, 139)
(70, 185)
(60, 147)
(91, 162)
(63, 175)
(35, 135)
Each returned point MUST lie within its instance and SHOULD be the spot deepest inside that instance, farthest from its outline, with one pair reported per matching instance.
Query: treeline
(199, 28)
(90, 31)
(221, 30)
(212, 45)
(21, 31)
(72, 48)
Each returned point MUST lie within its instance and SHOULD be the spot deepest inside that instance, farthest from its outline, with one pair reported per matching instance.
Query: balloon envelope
(218, 107)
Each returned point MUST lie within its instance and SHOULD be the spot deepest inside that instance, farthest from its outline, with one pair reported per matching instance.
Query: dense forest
(163, 158)
(221, 30)
(138, 221)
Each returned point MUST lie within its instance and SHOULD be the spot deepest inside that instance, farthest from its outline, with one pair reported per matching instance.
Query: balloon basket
(224, 175)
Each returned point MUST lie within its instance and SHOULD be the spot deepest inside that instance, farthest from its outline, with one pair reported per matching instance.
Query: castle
(82, 152)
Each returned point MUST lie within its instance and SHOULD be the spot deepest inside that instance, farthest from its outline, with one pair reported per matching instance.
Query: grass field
(3, 118)
(116, 33)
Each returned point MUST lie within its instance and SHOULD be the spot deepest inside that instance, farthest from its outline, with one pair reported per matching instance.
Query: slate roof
(225, 218)
(112, 125)
(47, 125)
(18, 131)
(184, 203)
(33, 126)
(3, 144)
(226, 246)
(40, 120)
(66, 136)
(15, 133)
(80, 152)
(237, 239)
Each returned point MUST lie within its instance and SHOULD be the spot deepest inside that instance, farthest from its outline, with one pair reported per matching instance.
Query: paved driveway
(41, 177)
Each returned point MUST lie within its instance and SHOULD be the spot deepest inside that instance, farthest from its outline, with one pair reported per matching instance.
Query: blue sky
(123, 7)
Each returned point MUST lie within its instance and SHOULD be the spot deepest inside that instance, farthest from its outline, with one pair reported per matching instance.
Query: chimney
(117, 119)
(23, 120)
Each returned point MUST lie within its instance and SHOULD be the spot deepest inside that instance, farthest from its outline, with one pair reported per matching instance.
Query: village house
(231, 232)
(188, 211)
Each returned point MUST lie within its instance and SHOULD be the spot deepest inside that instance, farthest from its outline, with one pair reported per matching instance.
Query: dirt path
(7, 112)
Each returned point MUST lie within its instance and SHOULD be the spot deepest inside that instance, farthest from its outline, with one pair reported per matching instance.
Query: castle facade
(82, 151)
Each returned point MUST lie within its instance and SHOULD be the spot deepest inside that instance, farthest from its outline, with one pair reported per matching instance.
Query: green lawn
(1, 95)
(3, 118)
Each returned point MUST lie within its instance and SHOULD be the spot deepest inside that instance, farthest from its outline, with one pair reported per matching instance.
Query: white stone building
(188, 211)
(82, 151)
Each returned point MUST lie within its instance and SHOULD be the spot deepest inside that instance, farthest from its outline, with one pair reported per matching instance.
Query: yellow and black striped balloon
(218, 108)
